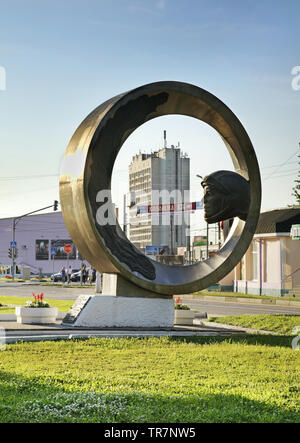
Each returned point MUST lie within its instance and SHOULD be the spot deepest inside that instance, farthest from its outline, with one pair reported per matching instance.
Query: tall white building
(159, 176)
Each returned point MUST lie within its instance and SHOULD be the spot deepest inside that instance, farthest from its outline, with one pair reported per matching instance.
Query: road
(212, 308)
(217, 309)
(50, 292)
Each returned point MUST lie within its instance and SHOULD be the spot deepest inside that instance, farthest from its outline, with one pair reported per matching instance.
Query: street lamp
(200, 176)
(15, 221)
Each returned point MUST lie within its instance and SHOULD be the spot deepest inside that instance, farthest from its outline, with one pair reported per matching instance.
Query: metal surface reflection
(87, 168)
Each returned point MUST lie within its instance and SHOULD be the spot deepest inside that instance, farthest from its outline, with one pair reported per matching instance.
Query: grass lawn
(10, 303)
(281, 324)
(169, 379)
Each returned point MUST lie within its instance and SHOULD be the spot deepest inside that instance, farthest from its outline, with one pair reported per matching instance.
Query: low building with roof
(271, 265)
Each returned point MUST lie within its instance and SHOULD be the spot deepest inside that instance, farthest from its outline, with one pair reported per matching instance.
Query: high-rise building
(163, 176)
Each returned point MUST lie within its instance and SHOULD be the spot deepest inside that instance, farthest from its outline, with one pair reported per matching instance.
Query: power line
(288, 170)
(281, 165)
(275, 166)
(28, 177)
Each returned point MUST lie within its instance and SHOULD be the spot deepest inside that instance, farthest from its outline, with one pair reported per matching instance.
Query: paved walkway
(15, 332)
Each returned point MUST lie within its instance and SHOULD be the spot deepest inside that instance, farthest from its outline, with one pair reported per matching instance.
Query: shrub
(179, 305)
(38, 302)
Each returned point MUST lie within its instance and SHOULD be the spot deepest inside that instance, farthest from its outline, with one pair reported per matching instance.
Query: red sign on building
(68, 249)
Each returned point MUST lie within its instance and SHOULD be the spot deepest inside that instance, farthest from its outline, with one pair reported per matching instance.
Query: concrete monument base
(121, 305)
(107, 311)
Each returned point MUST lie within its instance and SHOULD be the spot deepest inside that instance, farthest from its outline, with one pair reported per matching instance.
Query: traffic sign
(68, 249)
(13, 244)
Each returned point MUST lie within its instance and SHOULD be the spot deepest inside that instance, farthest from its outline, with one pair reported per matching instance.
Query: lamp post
(207, 228)
(15, 222)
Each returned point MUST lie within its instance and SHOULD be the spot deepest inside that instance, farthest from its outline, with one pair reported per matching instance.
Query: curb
(240, 300)
(13, 317)
(235, 328)
(109, 334)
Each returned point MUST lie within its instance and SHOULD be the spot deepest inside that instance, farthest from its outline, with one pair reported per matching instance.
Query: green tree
(296, 188)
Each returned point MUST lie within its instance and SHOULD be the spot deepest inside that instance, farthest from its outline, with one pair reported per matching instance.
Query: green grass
(281, 324)
(240, 295)
(10, 302)
(169, 379)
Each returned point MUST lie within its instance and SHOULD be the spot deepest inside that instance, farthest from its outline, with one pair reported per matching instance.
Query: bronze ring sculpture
(87, 168)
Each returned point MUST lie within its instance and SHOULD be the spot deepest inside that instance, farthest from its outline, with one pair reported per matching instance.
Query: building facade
(36, 237)
(162, 177)
(271, 266)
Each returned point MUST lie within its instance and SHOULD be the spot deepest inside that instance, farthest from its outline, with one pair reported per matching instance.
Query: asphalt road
(69, 292)
(212, 308)
(217, 309)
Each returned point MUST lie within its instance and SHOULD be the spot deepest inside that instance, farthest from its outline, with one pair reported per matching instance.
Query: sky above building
(61, 59)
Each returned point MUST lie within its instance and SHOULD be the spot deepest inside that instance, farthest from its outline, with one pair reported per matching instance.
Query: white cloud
(161, 4)
(154, 8)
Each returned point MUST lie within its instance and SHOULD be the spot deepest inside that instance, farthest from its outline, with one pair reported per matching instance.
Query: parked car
(56, 277)
(75, 276)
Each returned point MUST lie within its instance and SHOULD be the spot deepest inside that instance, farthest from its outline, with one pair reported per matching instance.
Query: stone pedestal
(121, 305)
(116, 285)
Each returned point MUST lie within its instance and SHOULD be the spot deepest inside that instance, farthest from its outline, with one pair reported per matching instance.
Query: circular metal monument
(87, 168)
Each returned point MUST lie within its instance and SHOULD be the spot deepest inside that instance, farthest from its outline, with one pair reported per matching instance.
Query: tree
(296, 188)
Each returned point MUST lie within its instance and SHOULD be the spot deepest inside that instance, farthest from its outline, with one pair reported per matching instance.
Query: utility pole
(52, 255)
(206, 241)
(188, 247)
(207, 228)
(296, 188)
(13, 249)
(15, 222)
(172, 233)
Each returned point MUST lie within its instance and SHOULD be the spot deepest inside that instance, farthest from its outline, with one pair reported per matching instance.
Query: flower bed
(183, 315)
(37, 311)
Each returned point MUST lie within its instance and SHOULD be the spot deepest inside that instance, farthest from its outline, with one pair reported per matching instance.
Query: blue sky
(64, 58)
